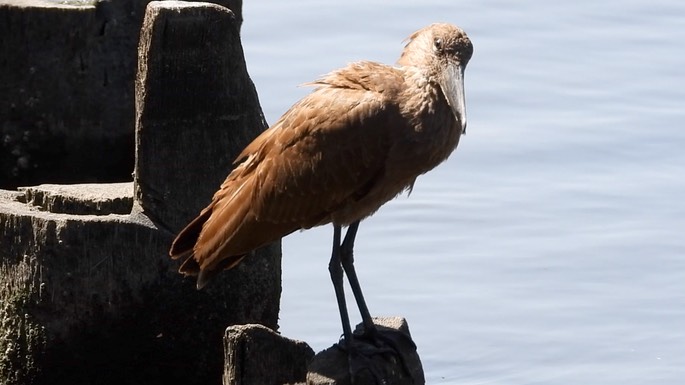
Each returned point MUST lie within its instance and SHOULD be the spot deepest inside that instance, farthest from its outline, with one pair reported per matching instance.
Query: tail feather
(183, 245)
(204, 276)
(190, 266)
(208, 243)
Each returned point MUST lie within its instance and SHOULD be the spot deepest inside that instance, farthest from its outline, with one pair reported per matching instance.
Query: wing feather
(325, 153)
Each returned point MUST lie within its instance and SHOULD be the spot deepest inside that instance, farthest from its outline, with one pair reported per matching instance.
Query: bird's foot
(375, 355)
(366, 361)
(396, 341)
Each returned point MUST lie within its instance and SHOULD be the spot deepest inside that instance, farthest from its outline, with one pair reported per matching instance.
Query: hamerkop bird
(362, 137)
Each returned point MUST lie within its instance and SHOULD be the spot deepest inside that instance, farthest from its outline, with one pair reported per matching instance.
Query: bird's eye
(437, 44)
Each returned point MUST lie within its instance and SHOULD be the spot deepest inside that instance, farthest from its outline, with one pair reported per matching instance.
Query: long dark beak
(452, 84)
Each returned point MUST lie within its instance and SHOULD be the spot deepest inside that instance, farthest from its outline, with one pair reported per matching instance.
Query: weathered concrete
(94, 298)
(67, 89)
(84, 296)
(331, 366)
(256, 355)
(190, 83)
(82, 199)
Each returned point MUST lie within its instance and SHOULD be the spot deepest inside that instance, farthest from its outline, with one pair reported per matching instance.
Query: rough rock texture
(256, 355)
(331, 366)
(67, 89)
(84, 296)
(190, 83)
(93, 298)
(83, 199)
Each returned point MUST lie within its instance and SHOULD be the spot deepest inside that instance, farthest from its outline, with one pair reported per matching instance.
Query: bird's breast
(433, 131)
(425, 136)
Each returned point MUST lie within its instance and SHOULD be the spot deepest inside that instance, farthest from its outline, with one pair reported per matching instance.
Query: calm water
(549, 249)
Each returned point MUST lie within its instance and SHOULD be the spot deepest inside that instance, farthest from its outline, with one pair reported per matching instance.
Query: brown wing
(323, 154)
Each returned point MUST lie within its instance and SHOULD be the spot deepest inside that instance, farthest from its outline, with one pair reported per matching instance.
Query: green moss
(22, 339)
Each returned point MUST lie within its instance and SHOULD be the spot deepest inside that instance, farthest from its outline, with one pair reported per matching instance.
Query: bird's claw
(365, 347)
(361, 357)
(392, 341)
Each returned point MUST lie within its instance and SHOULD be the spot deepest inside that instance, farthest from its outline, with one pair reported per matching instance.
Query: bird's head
(442, 51)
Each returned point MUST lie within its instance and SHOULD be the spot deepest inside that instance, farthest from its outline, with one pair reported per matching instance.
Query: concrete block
(331, 366)
(256, 355)
(67, 74)
(88, 293)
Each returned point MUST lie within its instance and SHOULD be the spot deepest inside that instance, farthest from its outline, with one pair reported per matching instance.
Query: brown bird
(362, 137)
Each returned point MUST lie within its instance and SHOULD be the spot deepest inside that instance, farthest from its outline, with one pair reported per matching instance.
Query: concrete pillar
(88, 293)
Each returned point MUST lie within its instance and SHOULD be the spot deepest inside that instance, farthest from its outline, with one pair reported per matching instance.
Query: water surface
(549, 248)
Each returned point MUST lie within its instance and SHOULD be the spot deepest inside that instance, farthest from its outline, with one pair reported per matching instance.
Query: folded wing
(326, 152)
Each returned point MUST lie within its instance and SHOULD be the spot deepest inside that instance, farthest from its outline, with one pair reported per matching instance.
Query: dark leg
(348, 344)
(357, 359)
(384, 341)
(347, 261)
(335, 268)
